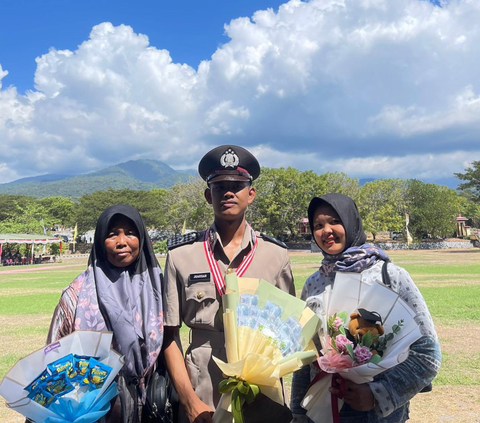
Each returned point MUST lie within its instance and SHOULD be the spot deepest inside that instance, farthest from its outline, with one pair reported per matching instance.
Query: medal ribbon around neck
(217, 274)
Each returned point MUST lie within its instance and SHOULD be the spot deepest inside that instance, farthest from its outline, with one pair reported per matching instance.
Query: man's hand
(359, 397)
(198, 412)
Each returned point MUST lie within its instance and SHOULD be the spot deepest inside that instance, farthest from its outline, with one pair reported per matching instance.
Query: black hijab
(146, 259)
(348, 213)
(129, 298)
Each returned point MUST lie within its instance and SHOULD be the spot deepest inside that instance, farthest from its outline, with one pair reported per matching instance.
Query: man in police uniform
(194, 278)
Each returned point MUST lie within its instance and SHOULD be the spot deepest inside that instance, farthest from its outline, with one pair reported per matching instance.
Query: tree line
(283, 195)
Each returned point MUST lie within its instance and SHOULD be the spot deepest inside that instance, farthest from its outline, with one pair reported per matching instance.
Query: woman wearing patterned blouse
(121, 292)
(337, 229)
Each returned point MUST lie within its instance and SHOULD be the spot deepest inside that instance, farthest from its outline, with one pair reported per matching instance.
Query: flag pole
(407, 221)
(74, 237)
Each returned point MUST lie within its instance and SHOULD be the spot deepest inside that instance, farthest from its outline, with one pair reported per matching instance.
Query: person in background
(194, 279)
(121, 291)
(337, 228)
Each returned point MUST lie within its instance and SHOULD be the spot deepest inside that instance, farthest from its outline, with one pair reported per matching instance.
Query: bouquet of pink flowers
(357, 344)
(350, 347)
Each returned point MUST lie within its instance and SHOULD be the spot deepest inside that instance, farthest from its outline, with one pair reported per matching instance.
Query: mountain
(41, 178)
(134, 174)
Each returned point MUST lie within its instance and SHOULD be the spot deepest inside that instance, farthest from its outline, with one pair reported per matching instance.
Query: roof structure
(28, 239)
(460, 218)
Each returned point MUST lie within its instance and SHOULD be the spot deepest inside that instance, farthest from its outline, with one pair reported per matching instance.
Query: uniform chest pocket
(202, 297)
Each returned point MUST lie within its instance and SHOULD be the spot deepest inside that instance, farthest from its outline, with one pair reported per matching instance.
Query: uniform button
(199, 295)
(229, 270)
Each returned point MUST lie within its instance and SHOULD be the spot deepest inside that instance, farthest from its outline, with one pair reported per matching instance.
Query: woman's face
(122, 244)
(328, 230)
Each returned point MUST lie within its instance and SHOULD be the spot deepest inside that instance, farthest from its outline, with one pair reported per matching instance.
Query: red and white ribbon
(212, 263)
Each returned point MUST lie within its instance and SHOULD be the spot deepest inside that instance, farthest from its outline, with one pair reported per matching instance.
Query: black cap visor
(229, 175)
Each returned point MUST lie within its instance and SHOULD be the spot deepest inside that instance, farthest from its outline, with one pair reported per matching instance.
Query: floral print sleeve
(63, 323)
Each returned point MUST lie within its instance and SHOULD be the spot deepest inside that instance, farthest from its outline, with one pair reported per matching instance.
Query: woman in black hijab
(337, 229)
(120, 291)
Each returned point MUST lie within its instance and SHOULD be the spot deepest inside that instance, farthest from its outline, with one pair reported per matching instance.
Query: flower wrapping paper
(254, 356)
(87, 408)
(351, 292)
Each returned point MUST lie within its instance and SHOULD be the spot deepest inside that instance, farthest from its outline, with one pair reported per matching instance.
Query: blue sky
(375, 89)
(191, 30)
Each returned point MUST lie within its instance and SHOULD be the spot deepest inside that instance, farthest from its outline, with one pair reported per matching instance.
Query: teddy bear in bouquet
(362, 323)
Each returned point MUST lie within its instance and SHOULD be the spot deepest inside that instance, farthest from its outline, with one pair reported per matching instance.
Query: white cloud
(368, 87)
(463, 112)
(422, 166)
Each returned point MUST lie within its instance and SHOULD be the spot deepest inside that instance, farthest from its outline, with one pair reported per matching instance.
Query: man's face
(230, 199)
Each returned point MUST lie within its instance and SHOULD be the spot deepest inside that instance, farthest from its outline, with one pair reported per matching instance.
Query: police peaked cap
(228, 163)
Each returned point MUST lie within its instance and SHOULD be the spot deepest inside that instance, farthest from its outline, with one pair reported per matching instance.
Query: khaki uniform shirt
(198, 304)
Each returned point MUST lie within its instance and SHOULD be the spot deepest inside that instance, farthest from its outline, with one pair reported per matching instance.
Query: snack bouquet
(268, 334)
(70, 380)
(366, 328)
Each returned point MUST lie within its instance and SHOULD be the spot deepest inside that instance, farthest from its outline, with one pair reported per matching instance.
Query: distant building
(303, 227)
(463, 231)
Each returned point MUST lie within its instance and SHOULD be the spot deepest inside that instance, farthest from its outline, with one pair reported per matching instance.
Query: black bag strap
(385, 276)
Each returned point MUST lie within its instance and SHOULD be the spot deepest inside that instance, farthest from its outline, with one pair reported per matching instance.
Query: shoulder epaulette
(179, 240)
(273, 240)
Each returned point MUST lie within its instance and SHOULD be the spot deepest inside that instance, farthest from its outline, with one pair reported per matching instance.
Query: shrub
(160, 247)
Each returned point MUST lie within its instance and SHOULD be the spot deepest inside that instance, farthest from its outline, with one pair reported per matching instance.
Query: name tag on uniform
(199, 277)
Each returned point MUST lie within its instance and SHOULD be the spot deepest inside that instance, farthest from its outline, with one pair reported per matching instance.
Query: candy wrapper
(68, 381)
(351, 293)
(268, 334)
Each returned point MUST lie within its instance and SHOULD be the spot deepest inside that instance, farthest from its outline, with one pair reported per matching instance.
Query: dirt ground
(455, 404)
(445, 404)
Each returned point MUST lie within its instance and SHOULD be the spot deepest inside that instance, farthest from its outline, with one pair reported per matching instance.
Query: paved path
(19, 269)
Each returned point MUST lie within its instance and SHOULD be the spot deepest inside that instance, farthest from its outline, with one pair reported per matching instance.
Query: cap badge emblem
(229, 159)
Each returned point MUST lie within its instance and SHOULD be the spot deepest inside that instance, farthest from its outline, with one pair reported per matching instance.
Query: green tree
(382, 205)
(159, 208)
(472, 176)
(470, 210)
(339, 182)
(90, 206)
(432, 209)
(160, 247)
(282, 199)
(30, 218)
(152, 208)
(186, 204)
(55, 249)
(60, 209)
(12, 205)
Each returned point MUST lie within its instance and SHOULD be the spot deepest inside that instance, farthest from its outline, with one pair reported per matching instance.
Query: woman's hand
(359, 397)
(198, 412)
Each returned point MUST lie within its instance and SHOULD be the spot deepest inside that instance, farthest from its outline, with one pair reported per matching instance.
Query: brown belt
(206, 339)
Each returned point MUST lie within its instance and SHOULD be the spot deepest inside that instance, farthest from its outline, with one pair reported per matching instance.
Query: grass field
(448, 279)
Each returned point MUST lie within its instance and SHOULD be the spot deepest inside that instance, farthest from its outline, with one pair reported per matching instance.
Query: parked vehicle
(396, 235)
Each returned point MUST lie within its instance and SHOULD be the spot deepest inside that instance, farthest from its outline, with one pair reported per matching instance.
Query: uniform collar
(247, 240)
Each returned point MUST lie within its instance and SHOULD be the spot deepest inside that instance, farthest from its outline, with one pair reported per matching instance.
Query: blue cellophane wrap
(85, 410)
